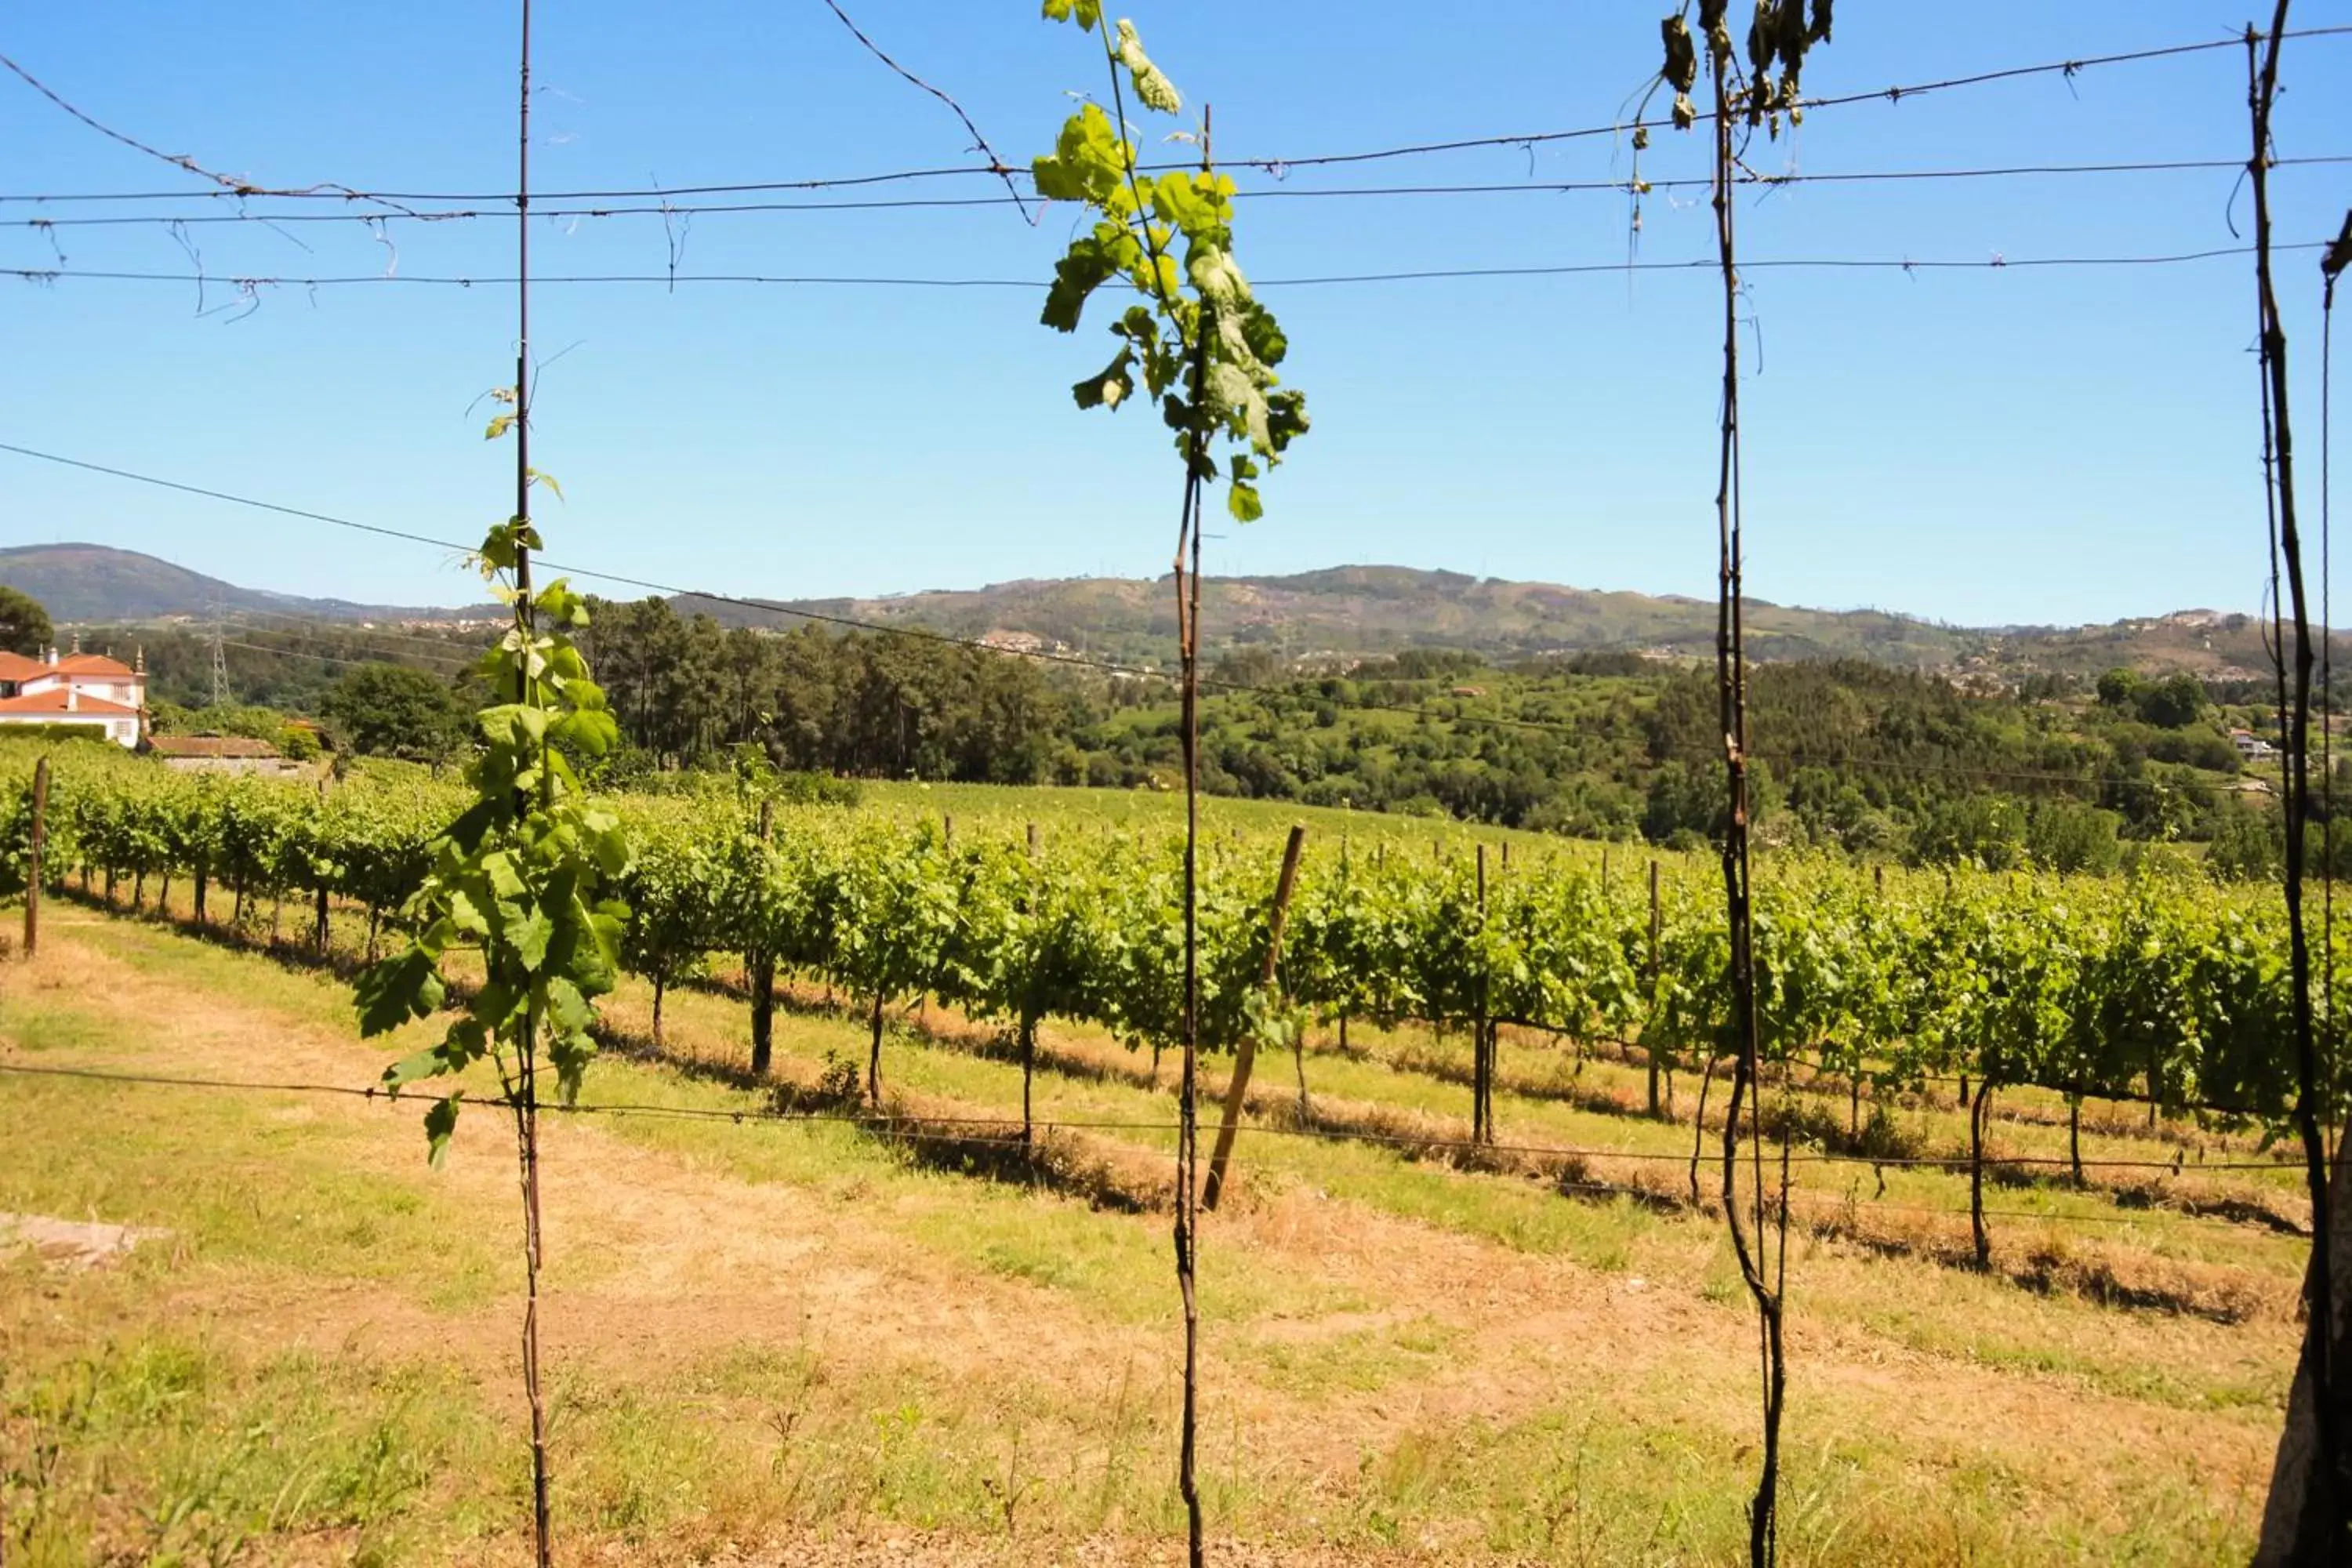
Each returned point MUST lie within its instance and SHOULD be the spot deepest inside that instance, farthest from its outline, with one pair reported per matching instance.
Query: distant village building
(222, 755)
(83, 688)
(2251, 745)
(1004, 641)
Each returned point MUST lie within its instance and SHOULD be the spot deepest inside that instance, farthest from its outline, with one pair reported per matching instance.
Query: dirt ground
(665, 1256)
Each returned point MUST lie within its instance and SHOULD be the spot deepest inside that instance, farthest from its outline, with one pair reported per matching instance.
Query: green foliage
(2166, 976)
(382, 710)
(2248, 845)
(1204, 345)
(252, 724)
(687, 694)
(520, 878)
(2075, 838)
(23, 624)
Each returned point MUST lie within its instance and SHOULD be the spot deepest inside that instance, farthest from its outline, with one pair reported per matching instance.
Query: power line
(252, 286)
(301, 653)
(451, 663)
(1279, 166)
(1276, 193)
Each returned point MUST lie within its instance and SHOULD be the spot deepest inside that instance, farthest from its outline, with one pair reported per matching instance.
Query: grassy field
(816, 1341)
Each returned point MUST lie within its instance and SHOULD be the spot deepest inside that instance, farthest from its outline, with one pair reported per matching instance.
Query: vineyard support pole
(1656, 927)
(204, 864)
(1245, 1055)
(1028, 1078)
(1731, 683)
(2305, 1519)
(2075, 1129)
(1976, 1173)
(319, 915)
(761, 963)
(1482, 1035)
(525, 1103)
(1029, 1043)
(33, 859)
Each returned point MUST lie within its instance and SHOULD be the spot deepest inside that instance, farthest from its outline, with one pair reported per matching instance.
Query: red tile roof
(91, 664)
(54, 702)
(17, 666)
(208, 746)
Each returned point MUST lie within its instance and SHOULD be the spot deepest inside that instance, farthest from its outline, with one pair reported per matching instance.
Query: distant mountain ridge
(97, 582)
(1338, 612)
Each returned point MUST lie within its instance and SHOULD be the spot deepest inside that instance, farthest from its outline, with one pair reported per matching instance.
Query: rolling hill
(1338, 611)
(87, 583)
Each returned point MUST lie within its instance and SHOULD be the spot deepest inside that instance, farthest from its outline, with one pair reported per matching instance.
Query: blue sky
(1986, 446)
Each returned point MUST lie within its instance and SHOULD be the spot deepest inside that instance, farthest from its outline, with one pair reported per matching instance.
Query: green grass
(1345, 1405)
(256, 1185)
(165, 1448)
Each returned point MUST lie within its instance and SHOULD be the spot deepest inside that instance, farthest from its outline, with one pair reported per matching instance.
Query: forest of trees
(1609, 745)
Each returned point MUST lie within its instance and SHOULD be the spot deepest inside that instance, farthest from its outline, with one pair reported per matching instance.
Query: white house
(2251, 745)
(78, 688)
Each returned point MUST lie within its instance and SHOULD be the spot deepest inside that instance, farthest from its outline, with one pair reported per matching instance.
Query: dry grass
(799, 1342)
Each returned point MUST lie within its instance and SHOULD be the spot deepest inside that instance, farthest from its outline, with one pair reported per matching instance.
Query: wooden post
(1657, 927)
(319, 932)
(32, 859)
(1481, 1041)
(1246, 1056)
(1033, 841)
(763, 966)
(947, 830)
(1976, 1173)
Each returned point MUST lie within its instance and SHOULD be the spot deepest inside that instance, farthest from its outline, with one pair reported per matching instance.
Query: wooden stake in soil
(2308, 1517)
(526, 1108)
(1976, 1173)
(1656, 929)
(41, 839)
(1731, 684)
(761, 963)
(1245, 1053)
(1482, 1035)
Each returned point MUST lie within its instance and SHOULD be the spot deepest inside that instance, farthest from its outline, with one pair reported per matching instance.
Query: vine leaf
(440, 1125)
(1111, 389)
(1152, 84)
(1085, 12)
